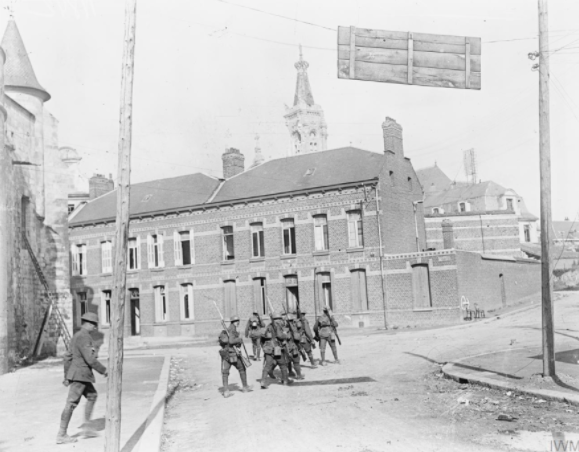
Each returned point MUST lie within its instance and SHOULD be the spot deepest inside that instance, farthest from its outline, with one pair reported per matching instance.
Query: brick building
(36, 178)
(341, 227)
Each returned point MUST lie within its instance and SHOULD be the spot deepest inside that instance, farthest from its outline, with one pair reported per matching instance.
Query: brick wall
(485, 233)
(480, 280)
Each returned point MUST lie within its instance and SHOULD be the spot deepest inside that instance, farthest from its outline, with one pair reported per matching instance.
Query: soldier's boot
(335, 353)
(311, 357)
(245, 386)
(323, 361)
(299, 372)
(264, 382)
(87, 429)
(226, 392)
(284, 377)
(290, 370)
(62, 437)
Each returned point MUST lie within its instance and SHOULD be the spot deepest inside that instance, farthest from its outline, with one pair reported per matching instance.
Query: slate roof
(285, 175)
(18, 71)
(153, 196)
(327, 168)
(463, 193)
(433, 179)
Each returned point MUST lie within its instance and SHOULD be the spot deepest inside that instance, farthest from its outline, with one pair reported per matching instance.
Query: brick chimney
(98, 185)
(233, 163)
(392, 137)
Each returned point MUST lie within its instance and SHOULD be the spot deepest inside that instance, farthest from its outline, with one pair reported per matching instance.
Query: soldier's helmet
(234, 319)
(275, 315)
(291, 316)
(326, 309)
(90, 317)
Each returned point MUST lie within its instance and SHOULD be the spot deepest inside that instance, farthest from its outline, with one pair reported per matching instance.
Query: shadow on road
(423, 357)
(335, 381)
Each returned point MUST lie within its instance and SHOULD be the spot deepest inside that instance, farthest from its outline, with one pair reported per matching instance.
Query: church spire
(305, 120)
(303, 90)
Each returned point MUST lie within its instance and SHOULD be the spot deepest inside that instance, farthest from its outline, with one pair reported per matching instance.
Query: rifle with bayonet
(283, 345)
(244, 359)
(298, 343)
(332, 325)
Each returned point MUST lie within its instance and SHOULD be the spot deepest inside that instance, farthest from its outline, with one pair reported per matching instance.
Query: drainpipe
(482, 234)
(415, 205)
(381, 253)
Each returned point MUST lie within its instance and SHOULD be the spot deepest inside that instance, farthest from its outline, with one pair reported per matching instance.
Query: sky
(211, 74)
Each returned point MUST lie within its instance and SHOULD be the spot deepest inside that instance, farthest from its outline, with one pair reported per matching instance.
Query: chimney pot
(233, 163)
(392, 132)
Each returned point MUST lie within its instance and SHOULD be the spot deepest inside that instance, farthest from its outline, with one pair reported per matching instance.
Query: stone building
(36, 180)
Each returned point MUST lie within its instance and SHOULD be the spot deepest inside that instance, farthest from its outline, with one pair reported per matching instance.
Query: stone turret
(99, 185)
(233, 163)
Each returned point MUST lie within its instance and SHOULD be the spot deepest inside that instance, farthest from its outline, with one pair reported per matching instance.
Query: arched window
(297, 138)
(313, 141)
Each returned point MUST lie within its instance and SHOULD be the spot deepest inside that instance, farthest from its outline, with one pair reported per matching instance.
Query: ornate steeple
(258, 159)
(305, 120)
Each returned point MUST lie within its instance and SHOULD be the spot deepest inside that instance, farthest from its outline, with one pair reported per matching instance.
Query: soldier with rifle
(307, 338)
(294, 349)
(275, 350)
(325, 331)
(230, 352)
(254, 330)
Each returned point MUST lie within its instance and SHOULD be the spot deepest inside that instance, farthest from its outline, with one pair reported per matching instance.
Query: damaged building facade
(342, 228)
(36, 178)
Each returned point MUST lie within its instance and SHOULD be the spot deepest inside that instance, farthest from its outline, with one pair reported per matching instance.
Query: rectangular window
(83, 303)
(324, 284)
(230, 298)
(462, 207)
(257, 240)
(187, 301)
(527, 232)
(510, 204)
(182, 247)
(289, 236)
(228, 249)
(355, 232)
(292, 293)
(107, 257)
(161, 311)
(155, 251)
(259, 296)
(421, 286)
(321, 233)
(79, 260)
(105, 310)
(134, 250)
(70, 208)
(359, 290)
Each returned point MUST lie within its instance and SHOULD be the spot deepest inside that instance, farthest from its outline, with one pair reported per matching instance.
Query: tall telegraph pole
(117, 321)
(545, 167)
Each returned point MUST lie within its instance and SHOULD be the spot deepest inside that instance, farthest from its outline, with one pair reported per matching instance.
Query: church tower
(305, 120)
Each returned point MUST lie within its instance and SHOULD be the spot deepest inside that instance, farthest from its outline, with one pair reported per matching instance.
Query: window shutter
(191, 304)
(192, 245)
(177, 248)
(103, 309)
(160, 238)
(150, 252)
(364, 305)
(84, 260)
(138, 257)
(74, 254)
(356, 291)
(158, 305)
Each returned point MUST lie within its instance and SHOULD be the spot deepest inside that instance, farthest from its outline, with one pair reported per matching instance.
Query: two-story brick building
(341, 227)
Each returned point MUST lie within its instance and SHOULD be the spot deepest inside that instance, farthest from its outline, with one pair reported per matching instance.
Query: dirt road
(387, 395)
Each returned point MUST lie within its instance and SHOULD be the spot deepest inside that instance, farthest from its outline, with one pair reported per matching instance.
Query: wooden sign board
(409, 58)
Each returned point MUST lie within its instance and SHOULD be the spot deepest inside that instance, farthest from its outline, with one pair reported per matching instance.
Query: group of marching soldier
(285, 340)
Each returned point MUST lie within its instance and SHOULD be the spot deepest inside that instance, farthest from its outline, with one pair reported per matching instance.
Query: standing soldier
(230, 342)
(274, 350)
(324, 331)
(293, 344)
(254, 330)
(78, 376)
(307, 339)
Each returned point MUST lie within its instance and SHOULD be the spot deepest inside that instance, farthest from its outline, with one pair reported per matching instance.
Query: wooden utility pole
(545, 168)
(117, 321)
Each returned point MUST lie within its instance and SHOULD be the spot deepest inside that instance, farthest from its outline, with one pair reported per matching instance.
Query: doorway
(135, 312)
